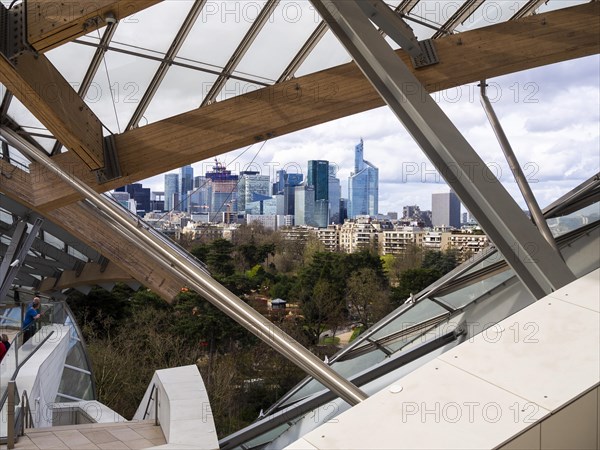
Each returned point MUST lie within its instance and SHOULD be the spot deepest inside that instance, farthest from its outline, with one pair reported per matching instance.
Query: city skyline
(542, 111)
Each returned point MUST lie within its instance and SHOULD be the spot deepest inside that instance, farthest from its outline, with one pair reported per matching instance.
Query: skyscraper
(171, 190)
(140, 194)
(186, 183)
(445, 210)
(286, 184)
(335, 194)
(223, 192)
(251, 183)
(318, 178)
(304, 205)
(363, 186)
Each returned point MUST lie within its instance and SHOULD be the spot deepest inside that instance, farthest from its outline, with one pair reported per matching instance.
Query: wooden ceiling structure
(290, 105)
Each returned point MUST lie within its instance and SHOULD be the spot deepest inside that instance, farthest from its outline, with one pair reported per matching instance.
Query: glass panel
(72, 61)
(76, 357)
(181, 90)
(491, 259)
(23, 117)
(265, 438)
(53, 241)
(219, 30)
(76, 384)
(283, 35)
(420, 312)
(490, 13)
(432, 12)
(153, 28)
(10, 317)
(328, 53)
(129, 78)
(577, 219)
(553, 5)
(464, 296)
(233, 88)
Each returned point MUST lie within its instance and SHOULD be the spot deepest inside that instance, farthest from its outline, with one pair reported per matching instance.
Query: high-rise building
(363, 186)
(171, 190)
(335, 194)
(410, 211)
(286, 184)
(199, 198)
(140, 194)
(318, 178)
(223, 202)
(157, 201)
(304, 205)
(251, 183)
(445, 210)
(186, 183)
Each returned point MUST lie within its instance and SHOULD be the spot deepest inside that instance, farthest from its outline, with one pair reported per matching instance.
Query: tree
(219, 260)
(443, 262)
(324, 307)
(413, 281)
(367, 297)
(100, 311)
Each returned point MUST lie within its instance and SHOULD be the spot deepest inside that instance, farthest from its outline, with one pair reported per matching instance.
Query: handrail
(27, 421)
(149, 400)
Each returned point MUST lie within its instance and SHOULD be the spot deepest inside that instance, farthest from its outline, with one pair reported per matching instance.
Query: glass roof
(141, 41)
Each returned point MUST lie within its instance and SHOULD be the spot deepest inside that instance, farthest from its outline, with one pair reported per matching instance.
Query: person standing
(3, 350)
(31, 316)
(4, 340)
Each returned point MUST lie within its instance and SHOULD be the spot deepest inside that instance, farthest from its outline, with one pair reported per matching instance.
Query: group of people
(4, 346)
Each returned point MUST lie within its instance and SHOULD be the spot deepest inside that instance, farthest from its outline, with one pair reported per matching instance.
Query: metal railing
(17, 419)
(153, 396)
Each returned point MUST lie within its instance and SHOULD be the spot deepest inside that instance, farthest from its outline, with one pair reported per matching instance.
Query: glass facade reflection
(363, 186)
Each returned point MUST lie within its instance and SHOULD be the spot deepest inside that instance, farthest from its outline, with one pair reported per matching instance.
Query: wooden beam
(331, 94)
(53, 23)
(91, 274)
(15, 183)
(49, 97)
(87, 227)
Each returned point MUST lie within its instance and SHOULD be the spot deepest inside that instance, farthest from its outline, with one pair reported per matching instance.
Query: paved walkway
(122, 435)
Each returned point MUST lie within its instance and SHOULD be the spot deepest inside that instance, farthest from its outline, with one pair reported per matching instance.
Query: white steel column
(535, 262)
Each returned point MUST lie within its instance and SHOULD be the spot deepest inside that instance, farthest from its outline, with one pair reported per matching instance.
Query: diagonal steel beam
(166, 63)
(10, 267)
(239, 53)
(534, 261)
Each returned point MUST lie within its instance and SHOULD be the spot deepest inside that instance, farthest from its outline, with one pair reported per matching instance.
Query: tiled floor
(124, 435)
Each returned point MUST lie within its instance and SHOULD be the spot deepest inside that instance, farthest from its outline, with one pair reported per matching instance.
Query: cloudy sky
(550, 114)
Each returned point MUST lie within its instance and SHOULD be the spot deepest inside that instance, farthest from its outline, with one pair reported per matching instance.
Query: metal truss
(534, 261)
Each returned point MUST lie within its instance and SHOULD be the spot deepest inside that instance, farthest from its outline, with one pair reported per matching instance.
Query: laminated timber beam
(51, 99)
(16, 183)
(328, 95)
(53, 23)
(83, 223)
(91, 274)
